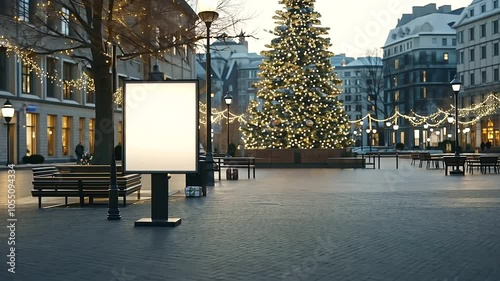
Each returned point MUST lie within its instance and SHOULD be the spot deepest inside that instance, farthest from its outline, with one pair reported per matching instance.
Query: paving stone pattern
(287, 224)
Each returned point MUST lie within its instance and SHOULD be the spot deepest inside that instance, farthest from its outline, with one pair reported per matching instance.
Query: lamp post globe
(228, 99)
(207, 13)
(7, 113)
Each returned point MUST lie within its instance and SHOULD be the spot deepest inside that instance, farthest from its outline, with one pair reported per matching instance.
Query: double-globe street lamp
(7, 113)
(207, 13)
(228, 99)
(395, 127)
(370, 133)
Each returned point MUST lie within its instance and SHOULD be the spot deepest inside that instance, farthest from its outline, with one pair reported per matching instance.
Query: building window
(444, 41)
(23, 10)
(81, 128)
(434, 41)
(446, 57)
(358, 108)
(347, 108)
(396, 96)
(461, 57)
(471, 12)
(460, 36)
(424, 93)
(31, 133)
(396, 63)
(494, 27)
(28, 78)
(495, 4)
(424, 76)
(483, 52)
(65, 21)
(496, 49)
(454, 42)
(3, 68)
(51, 135)
(471, 55)
(68, 78)
(472, 79)
(66, 135)
(252, 74)
(483, 76)
(471, 33)
(91, 135)
(483, 8)
(495, 75)
(348, 98)
(483, 30)
(51, 77)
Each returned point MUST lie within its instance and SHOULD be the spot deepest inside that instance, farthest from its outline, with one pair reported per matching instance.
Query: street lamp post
(228, 99)
(369, 133)
(208, 14)
(7, 113)
(388, 124)
(361, 133)
(426, 126)
(455, 85)
(395, 127)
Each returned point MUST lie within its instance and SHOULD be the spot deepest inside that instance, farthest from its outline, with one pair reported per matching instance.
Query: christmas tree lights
(297, 104)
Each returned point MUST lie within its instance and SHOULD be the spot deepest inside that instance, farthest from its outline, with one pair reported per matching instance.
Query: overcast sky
(355, 25)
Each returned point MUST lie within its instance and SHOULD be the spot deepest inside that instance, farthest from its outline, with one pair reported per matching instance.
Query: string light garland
(488, 107)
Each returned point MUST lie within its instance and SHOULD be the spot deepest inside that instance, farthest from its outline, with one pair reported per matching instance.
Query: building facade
(419, 61)
(362, 94)
(55, 110)
(478, 50)
(234, 71)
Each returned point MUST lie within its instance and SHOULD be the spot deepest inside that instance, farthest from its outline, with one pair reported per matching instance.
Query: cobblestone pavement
(287, 224)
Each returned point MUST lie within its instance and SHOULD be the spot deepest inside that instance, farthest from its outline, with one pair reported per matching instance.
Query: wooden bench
(45, 171)
(453, 161)
(236, 162)
(84, 185)
(488, 162)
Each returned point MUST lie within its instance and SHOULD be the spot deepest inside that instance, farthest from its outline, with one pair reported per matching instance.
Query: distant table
(236, 162)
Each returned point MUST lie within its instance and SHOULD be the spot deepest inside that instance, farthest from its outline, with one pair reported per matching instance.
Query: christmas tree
(297, 105)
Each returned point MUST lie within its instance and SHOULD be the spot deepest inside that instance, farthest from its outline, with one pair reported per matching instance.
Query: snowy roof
(437, 23)
(240, 56)
(252, 65)
(466, 18)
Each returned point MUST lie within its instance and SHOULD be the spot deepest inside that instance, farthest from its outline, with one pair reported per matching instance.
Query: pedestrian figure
(482, 146)
(79, 150)
(118, 152)
(488, 146)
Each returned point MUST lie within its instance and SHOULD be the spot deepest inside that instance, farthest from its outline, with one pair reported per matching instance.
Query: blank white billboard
(160, 126)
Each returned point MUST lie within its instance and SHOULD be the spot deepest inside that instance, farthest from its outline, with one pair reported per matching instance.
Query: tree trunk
(104, 117)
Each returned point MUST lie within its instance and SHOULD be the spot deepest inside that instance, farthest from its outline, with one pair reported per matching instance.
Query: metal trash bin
(199, 178)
